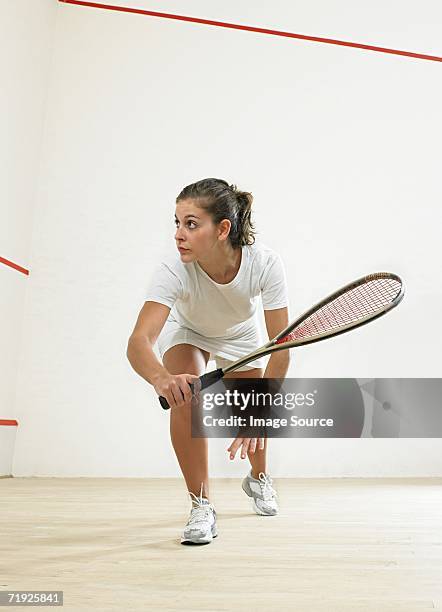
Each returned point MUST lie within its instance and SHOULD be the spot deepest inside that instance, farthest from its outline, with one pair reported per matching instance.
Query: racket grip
(205, 381)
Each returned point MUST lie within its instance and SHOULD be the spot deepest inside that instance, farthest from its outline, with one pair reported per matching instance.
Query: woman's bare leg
(192, 453)
(258, 459)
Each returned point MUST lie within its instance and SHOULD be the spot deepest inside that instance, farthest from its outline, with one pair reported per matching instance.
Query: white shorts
(222, 350)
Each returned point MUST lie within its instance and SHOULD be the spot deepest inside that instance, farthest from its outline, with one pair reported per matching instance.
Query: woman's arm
(277, 367)
(139, 347)
(174, 387)
(278, 364)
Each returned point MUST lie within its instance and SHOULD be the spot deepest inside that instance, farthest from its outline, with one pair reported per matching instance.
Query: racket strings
(355, 304)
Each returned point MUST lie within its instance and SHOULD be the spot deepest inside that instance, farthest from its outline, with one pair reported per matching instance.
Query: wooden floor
(113, 544)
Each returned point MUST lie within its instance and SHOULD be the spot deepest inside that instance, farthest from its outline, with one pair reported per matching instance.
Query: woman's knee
(185, 359)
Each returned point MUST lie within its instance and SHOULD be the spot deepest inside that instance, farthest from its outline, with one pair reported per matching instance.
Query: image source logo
(279, 408)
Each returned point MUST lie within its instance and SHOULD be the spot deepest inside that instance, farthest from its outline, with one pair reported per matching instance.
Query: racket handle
(205, 381)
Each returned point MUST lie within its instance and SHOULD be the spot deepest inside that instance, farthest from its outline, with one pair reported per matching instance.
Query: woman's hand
(175, 388)
(246, 445)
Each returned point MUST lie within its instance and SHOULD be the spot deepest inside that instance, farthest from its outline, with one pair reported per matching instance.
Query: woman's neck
(223, 266)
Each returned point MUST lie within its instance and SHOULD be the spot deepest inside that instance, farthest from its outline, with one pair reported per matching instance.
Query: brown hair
(224, 201)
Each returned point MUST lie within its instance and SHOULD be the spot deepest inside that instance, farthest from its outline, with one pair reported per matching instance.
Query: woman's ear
(224, 229)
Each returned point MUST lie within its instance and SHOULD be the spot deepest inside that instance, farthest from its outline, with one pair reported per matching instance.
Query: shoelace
(201, 511)
(268, 492)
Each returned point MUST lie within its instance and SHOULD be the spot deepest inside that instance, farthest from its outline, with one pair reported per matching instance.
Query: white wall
(26, 29)
(340, 148)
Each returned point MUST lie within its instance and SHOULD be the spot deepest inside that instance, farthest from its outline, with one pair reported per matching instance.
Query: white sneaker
(262, 493)
(201, 526)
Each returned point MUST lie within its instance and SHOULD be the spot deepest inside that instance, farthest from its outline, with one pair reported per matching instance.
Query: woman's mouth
(183, 250)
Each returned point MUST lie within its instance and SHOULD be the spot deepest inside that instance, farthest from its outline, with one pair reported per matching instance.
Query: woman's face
(195, 235)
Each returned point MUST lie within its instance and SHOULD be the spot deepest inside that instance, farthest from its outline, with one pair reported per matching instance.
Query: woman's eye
(190, 224)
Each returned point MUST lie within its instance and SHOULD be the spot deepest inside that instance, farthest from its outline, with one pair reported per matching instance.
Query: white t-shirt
(217, 310)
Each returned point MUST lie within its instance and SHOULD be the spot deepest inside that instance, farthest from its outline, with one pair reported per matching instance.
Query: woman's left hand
(247, 445)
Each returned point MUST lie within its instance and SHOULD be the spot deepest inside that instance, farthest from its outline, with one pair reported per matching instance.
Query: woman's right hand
(176, 388)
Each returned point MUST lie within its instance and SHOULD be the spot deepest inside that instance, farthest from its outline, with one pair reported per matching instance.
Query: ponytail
(245, 226)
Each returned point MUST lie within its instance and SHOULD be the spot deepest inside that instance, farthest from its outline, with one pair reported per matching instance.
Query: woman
(203, 301)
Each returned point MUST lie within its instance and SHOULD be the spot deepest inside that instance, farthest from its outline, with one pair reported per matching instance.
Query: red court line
(11, 264)
(235, 26)
(8, 422)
